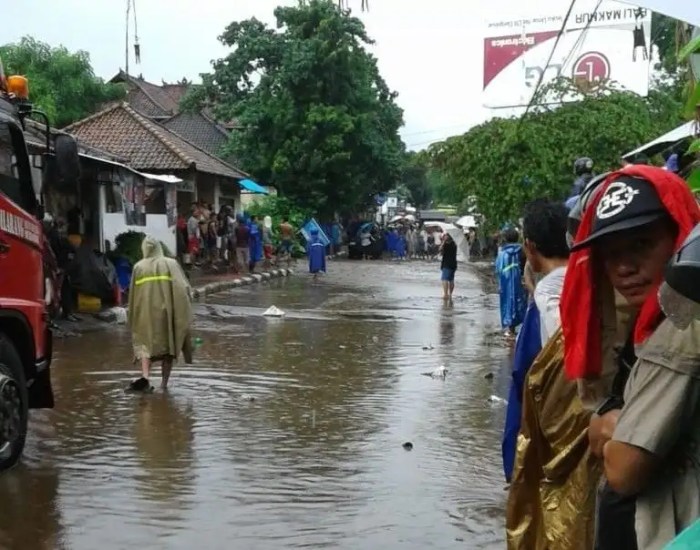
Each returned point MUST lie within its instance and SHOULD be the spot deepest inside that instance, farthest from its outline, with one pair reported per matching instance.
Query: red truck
(25, 336)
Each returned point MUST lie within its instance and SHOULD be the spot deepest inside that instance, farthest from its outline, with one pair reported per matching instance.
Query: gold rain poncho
(160, 305)
(551, 504)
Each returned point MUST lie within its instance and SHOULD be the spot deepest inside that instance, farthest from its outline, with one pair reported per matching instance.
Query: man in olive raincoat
(160, 313)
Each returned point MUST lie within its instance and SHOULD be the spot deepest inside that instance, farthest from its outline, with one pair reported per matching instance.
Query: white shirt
(547, 296)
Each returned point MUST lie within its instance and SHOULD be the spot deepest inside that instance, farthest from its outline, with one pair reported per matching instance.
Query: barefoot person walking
(160, 313)
(448, 266)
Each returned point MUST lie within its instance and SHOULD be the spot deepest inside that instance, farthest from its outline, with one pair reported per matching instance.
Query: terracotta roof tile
(146, 144)
(150, 99)
(200, 130)
(144, 104)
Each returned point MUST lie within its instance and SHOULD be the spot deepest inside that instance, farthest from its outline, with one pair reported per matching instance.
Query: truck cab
(25, 335)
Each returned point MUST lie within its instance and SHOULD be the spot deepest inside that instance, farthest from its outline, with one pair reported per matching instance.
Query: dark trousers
(69, 297)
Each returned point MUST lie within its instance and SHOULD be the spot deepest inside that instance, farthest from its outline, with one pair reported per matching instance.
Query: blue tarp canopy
(250, 185)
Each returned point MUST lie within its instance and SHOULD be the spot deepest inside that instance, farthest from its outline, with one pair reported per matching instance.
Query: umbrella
(684, 131)
(442, 226)
(457, 235)
(466, 221)
(313, 224)
(366, 227)
(396, 219)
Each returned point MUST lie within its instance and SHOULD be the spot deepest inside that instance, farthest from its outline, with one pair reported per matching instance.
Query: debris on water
(116, 315)
(408, 446)
(274, 311)
(313, 418)
(428, 348)
(497, 400)
(375, 339)
(440, 372)
(247, 397)
(342, 347)
(489, 376)
(197, 342)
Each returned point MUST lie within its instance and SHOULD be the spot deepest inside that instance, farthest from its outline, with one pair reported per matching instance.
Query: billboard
(605, 40)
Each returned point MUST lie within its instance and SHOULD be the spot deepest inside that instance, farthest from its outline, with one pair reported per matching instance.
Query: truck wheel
(13, 405)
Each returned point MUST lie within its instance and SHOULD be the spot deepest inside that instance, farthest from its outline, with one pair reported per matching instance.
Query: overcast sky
(429, 51)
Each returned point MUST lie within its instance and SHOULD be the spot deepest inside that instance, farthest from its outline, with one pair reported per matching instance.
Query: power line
(433, 130)
(549, 61)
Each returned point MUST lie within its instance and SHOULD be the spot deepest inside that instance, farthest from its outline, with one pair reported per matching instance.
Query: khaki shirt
(662, 416)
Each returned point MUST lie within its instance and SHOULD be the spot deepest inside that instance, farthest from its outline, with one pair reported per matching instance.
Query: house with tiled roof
(161, 104)
(151, 100)
(151, 147)
(201, 130)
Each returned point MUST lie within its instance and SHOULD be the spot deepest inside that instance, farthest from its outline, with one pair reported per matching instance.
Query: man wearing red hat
(648, 431)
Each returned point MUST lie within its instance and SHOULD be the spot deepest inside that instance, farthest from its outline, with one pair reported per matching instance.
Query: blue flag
(527, 347)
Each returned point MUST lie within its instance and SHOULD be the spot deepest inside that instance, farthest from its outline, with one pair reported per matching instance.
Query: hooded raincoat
(160, 305)
(510, 287)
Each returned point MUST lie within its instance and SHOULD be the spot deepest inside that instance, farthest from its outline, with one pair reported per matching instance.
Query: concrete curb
(237, 282)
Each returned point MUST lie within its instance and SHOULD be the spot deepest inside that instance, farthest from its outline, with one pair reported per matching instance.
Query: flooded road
(285, 433)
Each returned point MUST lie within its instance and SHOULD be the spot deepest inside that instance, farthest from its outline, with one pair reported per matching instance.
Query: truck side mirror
(67, 159)
(62, 168)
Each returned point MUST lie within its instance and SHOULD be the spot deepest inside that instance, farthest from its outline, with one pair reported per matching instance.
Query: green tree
(61, 83)
(506, 162)
(318, 121)
(666, 33)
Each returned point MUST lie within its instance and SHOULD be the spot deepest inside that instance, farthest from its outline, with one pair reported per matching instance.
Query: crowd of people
(601, 447)
(238, 241)
(414, 241)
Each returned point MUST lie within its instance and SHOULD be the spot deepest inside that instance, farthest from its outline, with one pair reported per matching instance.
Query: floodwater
(285, 433)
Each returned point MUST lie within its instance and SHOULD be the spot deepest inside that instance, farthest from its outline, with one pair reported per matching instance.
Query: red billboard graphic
(590, 69)
(499, 52)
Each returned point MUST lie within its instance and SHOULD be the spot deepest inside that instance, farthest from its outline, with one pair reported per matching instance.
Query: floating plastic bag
(274, 311)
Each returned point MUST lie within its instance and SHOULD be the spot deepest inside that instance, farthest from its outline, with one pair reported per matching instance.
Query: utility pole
(126, 44)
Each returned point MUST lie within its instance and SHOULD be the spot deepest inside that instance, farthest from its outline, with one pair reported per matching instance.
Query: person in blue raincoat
(391, 242)
(399, 245)
(510, 264)
(255, 243)
(546, 248)
(317, 254)
(527, 348)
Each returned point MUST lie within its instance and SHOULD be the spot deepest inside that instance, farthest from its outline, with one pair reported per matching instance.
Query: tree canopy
(61, 83)
(317, 119)
(505, 162)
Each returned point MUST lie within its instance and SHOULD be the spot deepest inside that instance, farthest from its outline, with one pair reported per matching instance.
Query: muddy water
(285, 433)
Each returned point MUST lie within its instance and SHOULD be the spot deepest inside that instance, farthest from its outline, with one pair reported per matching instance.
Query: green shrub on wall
(128, 244)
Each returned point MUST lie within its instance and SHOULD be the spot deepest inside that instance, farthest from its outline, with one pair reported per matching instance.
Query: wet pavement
(285, 433)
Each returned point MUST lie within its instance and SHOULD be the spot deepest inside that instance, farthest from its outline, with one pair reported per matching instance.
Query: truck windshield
(15, 174)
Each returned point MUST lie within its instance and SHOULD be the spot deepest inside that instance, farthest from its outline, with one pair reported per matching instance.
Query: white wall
(156, 227)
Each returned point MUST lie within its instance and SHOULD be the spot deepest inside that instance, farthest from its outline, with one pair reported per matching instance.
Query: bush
(279, 208)
(128, 245)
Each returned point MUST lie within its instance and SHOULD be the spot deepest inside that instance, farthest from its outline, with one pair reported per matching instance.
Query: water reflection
(30, 514)
(163, 431)
(287, 432)
(447, 324)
